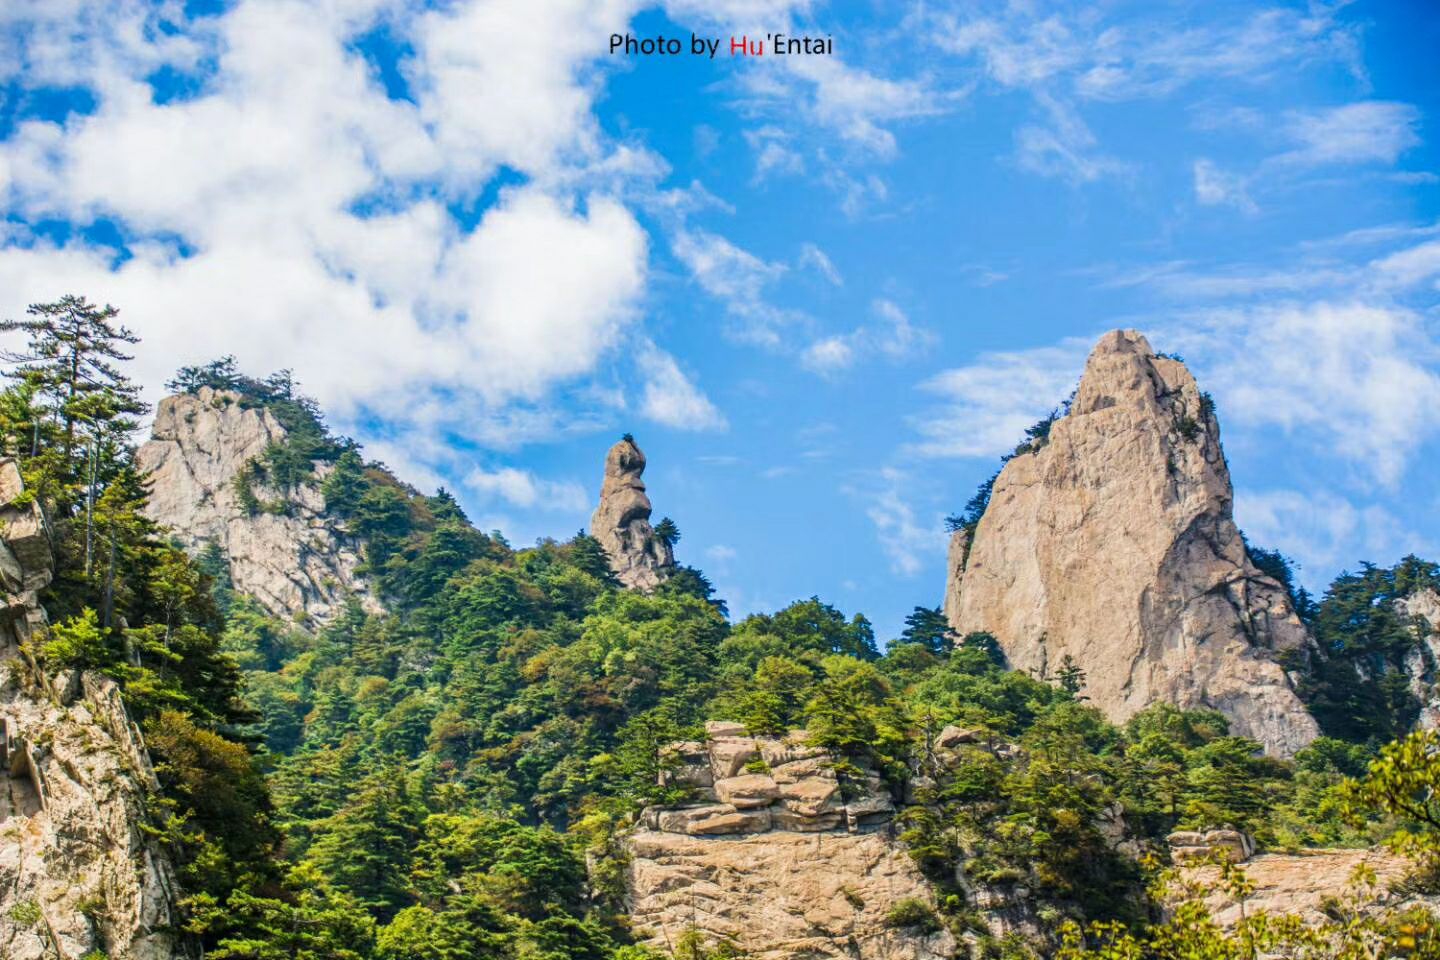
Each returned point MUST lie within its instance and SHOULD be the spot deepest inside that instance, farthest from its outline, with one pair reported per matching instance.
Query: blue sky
(824, 293)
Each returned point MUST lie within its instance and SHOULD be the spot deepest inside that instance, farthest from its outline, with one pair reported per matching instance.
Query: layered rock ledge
(739, 784)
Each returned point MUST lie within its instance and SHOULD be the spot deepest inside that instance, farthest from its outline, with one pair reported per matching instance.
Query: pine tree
(71, 358)
(928, 627)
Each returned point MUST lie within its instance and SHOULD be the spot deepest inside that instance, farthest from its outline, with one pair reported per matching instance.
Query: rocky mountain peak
(1110, 541)
(641, 560)
(287, 553)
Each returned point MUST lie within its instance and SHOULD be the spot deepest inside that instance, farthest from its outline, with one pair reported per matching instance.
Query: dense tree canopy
(448, 779)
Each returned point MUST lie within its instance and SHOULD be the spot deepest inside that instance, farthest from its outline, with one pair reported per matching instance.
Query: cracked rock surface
(1112, 542)
(298, 564)
(78, 875)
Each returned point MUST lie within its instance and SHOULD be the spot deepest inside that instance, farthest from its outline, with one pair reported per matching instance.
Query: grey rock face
(1422, 664)
(77, 874)
(641, 560)
(299, 564)
(1113, 543)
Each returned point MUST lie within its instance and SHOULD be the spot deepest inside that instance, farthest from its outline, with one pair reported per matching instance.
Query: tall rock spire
(641, 560)
(1111, 542)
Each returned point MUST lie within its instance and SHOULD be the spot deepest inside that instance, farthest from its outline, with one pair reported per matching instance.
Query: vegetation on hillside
(451, 779)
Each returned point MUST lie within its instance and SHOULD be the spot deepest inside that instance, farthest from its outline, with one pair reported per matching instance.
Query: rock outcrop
(742, 784)
(78, 876)
(782, 896)
(773, 854)
(1422, 663)
(1307, 883)
(298, 563)
(1111, 542)
(640, 559)
(1187, 846)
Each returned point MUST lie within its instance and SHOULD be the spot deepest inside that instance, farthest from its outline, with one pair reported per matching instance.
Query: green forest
(453, 778)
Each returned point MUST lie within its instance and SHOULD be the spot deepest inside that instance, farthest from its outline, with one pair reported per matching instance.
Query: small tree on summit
(667, 531)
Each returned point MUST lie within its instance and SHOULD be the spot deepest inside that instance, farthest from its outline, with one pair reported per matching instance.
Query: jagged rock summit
(641, 560)
(298, 563)
(1111, 541)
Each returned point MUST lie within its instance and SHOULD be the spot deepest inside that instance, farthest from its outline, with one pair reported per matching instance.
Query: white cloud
(988, 404)
(773, 155)
(669, 396)
(895, 336)
(1409, 267)
(907, 541)
(738, 279)
(1063, 147)
(721, 552)
(1358, 379)
(521, 488)
(828, 355)
(513, 83)
(1215, 187)
(1324, 532)
(892, 335)
(1083, 53)
(1369, 131)
(1066, 56)
(813, 257)
(290, 212)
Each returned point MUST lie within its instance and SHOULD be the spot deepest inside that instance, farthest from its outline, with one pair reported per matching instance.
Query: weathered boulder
(802, 794)
(749, 790)
(640, 559)
(298, 563)
(951, 737)
(715, 818)
(811, 796)
(729, 755)
(819, 766)
(794, 746)
(724, 728)
(1111, 542)
(1187, 846)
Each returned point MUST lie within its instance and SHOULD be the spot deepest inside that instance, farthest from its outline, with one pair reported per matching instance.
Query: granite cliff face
(78, 876)
(298, 563)
(640, 559)
(1112, 542)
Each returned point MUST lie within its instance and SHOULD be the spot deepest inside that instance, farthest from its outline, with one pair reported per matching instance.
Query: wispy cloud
(739, 280)
(521, 488)
(909, 541)
(986, 405)
(670, 397)
(1325, 532)
(1216, 187)
(1369, 131)
(890, 334)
